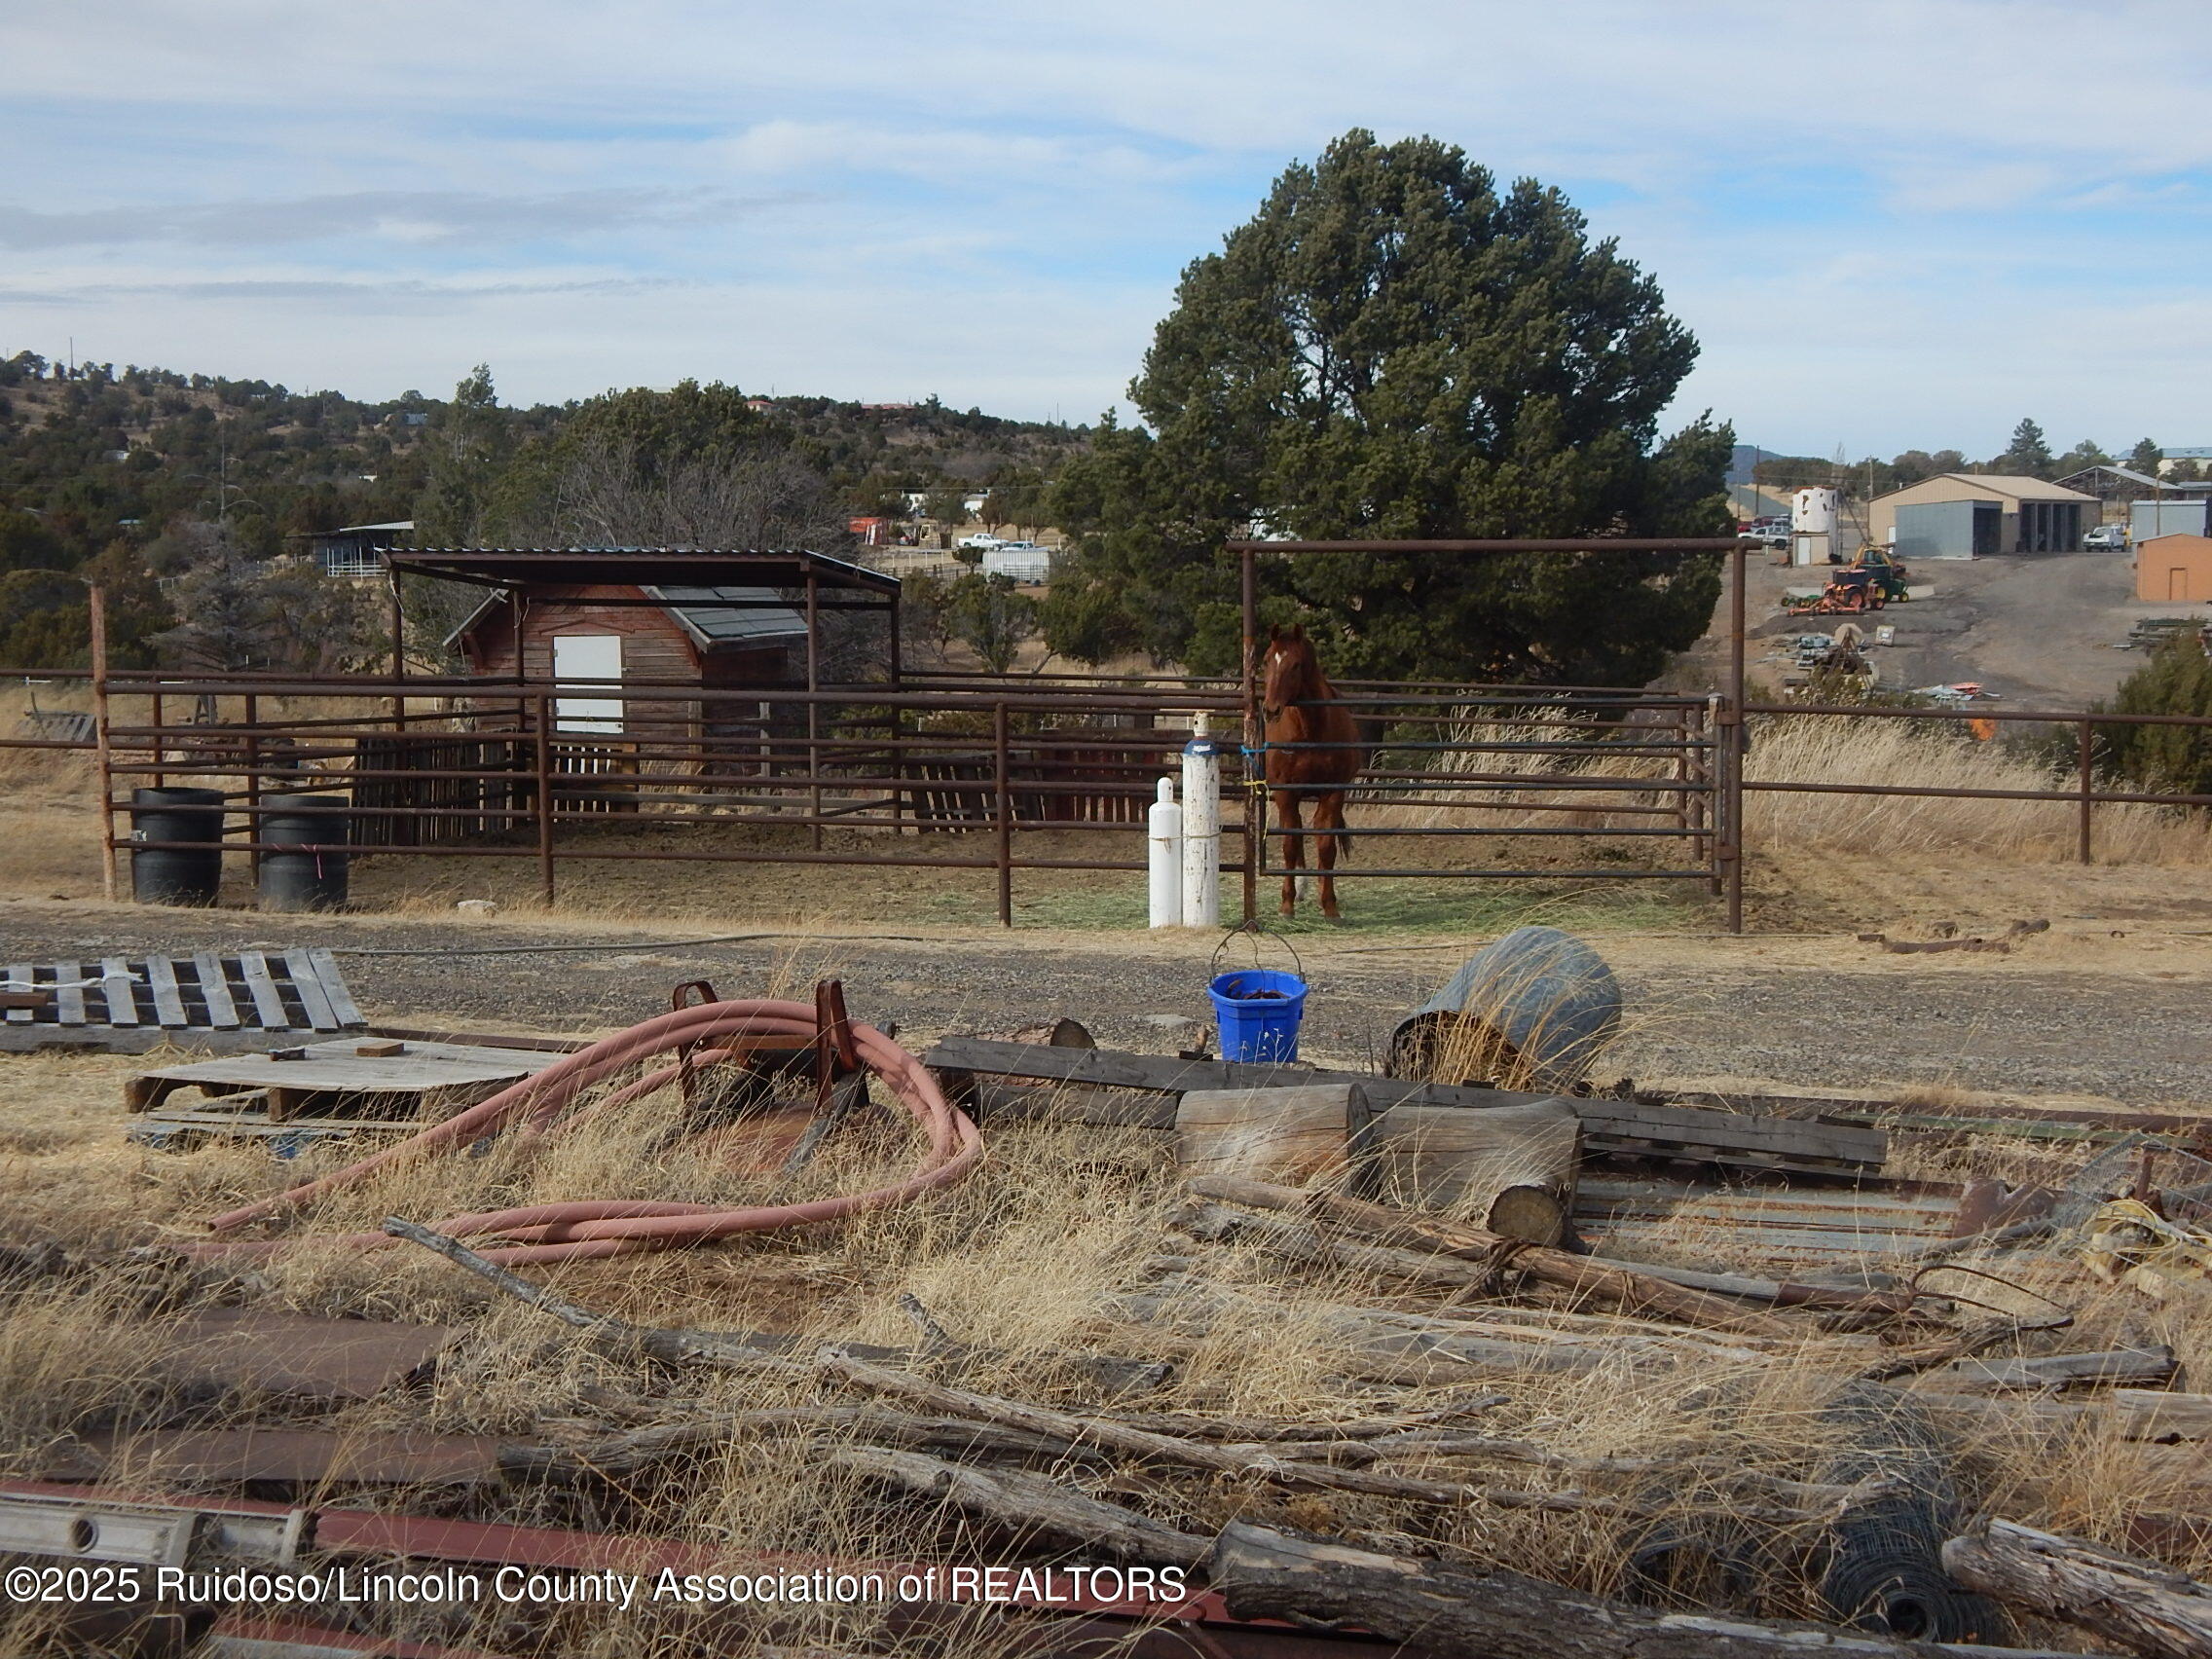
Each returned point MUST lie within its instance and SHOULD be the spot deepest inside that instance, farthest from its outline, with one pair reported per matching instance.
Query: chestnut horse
(1301, 710)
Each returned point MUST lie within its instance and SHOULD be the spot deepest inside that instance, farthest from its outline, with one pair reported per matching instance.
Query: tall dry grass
(1895, 753)
(1801, 749)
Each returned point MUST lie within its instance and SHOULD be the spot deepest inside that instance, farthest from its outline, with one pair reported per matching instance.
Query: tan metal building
(2036, 517)
(2174, 570)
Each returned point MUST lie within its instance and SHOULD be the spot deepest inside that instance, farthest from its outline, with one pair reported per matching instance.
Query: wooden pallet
(296, 1097)
(206, 1000)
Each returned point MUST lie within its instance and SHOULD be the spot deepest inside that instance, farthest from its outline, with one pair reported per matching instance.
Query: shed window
(588, 657)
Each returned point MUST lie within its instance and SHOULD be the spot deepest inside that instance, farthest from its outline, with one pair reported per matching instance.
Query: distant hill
(103, 455)
(134, 475)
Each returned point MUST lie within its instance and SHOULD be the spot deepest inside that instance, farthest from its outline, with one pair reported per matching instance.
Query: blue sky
(1890, 224)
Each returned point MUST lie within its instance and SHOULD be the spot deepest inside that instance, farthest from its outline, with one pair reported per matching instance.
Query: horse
(1302, 709)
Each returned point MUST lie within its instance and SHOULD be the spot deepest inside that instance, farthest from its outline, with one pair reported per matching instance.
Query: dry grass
(1809, 749)
(1024, 1262)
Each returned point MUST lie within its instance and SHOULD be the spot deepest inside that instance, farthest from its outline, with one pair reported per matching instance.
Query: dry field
(1034, 1259)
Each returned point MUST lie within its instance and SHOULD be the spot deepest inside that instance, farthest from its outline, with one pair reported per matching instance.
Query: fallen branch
(1024, 1504)
(1496, 1614)
(1259, 1460)
(1615, 1286)
(2151, 1608)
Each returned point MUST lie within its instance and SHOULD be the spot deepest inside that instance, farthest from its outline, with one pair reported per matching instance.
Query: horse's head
(1290, 671)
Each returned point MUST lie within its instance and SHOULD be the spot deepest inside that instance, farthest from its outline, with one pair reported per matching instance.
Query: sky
(1890, 223)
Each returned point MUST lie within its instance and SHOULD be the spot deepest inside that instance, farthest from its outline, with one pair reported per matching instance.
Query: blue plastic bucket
(1258, 1011)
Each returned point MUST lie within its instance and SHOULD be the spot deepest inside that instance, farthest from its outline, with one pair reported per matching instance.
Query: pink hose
(587, 1228)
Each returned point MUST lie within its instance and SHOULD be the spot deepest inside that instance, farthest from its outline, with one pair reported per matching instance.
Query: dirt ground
(2040, 629)
(2106, 1005)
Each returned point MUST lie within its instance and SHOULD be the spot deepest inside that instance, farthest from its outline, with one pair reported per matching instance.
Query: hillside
(135, 470)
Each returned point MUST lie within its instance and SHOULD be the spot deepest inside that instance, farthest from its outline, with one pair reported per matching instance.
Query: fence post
(542, 721)
(2082, 830)
(1729, 750)
(253, 788)
(1254, 758)
(102, 755)
(1004, 813)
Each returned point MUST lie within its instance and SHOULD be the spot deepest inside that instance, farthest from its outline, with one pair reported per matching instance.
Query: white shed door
(588, 657)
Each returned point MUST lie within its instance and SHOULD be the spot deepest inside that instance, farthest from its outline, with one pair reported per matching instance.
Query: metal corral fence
(953, 771)
(945, 772)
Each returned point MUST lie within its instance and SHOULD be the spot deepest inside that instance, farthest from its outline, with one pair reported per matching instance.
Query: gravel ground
(1712, 1008)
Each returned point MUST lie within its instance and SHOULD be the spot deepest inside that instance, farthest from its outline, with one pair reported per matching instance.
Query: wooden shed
(2174, 570)
(660, 617)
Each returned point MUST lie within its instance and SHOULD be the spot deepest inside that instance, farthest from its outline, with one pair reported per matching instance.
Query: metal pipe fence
(966, 772)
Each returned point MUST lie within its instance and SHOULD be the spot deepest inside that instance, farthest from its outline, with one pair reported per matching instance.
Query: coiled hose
(588, 1229)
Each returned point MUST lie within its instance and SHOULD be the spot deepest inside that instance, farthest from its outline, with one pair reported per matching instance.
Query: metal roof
(746, 615)
(2018, 486)
(640, 567)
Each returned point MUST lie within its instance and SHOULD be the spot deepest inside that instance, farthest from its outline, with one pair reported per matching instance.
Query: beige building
(2174, 570)
(2033, 516)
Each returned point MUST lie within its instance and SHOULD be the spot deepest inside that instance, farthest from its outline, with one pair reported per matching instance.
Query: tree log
(2151, 1608)
(1496, 1614)
(1637, 1293)
(1024, 1504)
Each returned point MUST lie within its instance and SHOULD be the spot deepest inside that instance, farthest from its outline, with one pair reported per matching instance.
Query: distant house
(357, 549)
(1931, 519)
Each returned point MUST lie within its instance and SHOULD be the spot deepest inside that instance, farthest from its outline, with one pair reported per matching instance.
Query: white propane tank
(1812, 510)
(1201, 827)
(1164, 833)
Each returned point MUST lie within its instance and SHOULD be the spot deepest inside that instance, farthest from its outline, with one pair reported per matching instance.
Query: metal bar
(2088, 784)
(253, 783)
(814, 685)
(1005, 816)
(153, 710)
(541, 719)
(1728, 851)
(1567, 544)
(96, 620)
(1623, 874)
(1254, 760)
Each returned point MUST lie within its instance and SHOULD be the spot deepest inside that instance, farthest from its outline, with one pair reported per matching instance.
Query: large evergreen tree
(1396, 348)
(2028, 455)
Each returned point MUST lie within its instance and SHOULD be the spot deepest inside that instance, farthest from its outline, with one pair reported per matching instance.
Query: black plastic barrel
(176, 876)
(312, 878)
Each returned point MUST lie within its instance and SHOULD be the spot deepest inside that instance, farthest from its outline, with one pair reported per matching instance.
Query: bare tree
(766, 498)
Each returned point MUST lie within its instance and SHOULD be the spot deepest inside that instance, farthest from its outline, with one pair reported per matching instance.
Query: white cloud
(1877, 217)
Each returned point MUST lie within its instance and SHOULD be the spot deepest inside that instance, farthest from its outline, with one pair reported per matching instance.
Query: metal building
(1949, 530)
(2034, 516)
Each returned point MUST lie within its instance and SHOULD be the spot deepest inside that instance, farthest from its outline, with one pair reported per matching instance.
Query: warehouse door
(588, 657)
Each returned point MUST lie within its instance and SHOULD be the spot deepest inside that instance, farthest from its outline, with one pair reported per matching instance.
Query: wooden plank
(335, 1066)
(1778, 1143)
(168, 1001)
(68, 994)
(267, 1006)
(342, 1004)
(309, 987)
(117, 993)
(215, 991)
(24, 977)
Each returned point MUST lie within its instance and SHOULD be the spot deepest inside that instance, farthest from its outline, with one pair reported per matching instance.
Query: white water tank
(1812, 510)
